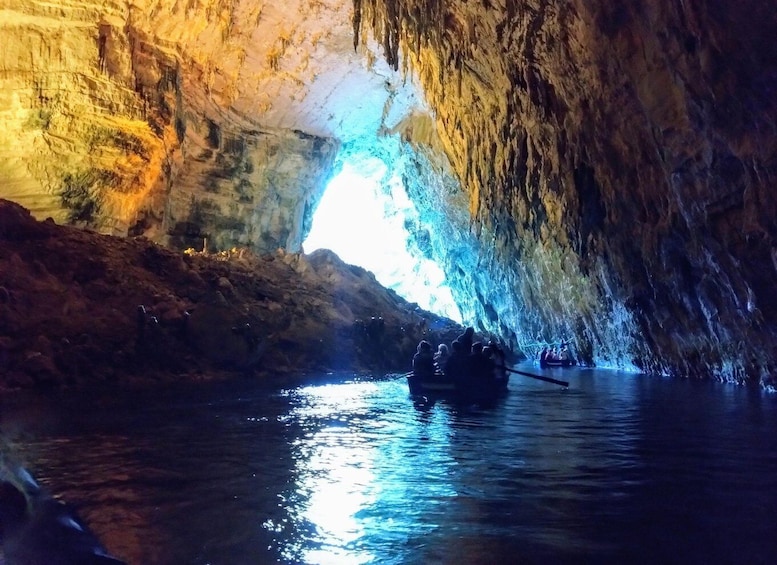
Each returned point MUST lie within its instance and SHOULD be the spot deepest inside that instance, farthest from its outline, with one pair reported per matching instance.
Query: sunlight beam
(365, 226)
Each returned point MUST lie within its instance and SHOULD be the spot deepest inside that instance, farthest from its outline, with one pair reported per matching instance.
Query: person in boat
(498, 358)
(497, 353)
(466, 339)
(563, 355)
(455, 367)
(544, 354)
(423, 361)
(481, 367)
(441, 356)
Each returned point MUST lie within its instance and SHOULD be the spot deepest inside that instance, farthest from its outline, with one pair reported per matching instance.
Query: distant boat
(557, 363)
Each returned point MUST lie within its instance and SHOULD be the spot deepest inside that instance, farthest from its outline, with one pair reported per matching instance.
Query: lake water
(618, 468)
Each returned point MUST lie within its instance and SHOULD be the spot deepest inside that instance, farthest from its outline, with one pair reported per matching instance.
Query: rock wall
(211, 119)
(589, 171)
(619, 163)
(83, 309)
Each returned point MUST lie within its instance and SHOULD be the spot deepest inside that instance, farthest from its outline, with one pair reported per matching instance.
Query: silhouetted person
(480, 365)
(466, 339)
(441, 356)
(423, 361)
(456, 366)
(423, 366)
(497, 353)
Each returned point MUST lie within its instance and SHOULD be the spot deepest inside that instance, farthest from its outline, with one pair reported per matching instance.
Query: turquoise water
(617, 468)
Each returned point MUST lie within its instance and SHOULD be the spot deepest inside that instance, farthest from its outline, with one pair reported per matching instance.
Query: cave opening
(366, 218)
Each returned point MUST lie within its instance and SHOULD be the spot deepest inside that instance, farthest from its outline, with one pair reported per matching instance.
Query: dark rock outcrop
(82, 308)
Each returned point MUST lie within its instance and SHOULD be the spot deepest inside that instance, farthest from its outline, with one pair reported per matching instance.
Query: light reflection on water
(358, 467)
(619, 467)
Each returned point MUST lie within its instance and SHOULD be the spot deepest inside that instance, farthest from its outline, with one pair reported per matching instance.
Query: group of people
(465, 361)
(561, 353)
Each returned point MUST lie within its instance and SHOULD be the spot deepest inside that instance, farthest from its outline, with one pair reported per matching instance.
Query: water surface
(617, 468)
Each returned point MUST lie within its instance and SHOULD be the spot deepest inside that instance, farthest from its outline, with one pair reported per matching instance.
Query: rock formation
(79, 308)
(585, 170)
(619, 163)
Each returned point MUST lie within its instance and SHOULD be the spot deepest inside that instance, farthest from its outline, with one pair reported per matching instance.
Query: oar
(538, 377)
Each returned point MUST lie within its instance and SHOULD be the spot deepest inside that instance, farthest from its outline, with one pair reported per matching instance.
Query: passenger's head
(456, 346)
(442, 348)
(470, 331)
(424, 346)
(477, 347)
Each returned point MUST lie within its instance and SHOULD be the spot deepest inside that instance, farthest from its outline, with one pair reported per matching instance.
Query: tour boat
(557, 363)
(443, 387)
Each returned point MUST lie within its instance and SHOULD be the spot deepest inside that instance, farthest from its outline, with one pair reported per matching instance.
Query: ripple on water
(617, 468)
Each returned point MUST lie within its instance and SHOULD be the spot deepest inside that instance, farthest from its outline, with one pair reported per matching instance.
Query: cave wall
(618, 161)
(213, 120)
(588, 171)
(246, 188)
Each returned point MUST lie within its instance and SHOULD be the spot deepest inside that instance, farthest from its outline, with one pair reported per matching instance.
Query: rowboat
(38, 528)
(441, 387)
(557, 363)
(470, 390)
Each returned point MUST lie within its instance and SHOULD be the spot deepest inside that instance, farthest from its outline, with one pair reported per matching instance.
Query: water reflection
(618, 468)
(333, 473)
(364, 474)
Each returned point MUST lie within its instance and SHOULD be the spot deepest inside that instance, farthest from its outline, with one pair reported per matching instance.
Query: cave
(580, 173)
(381, 232)
(649, 246)
(544, 171)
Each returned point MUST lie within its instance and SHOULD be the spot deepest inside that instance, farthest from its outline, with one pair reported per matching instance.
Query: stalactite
(357, 22)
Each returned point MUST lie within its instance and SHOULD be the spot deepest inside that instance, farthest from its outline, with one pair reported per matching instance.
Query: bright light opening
(366, 227)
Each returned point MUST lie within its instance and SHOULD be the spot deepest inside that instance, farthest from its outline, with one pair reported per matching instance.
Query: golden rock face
(142, 117)
(593, 171)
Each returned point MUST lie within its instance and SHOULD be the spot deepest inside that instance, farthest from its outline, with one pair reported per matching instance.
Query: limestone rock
(591, 171)
(149, 314)
(618, 162)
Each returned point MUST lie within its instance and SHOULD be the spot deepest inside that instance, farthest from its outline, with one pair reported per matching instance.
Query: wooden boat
(557, 363)
(475, 390)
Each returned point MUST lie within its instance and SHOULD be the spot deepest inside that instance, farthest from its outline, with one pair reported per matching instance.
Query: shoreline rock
(78, 308)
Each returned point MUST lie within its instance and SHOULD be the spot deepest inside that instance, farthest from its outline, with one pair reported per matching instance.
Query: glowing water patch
(361, 482)
(365, 227)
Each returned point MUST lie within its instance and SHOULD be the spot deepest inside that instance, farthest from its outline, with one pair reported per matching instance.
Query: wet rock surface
(80, 308)
(618, 166)
(584, 170)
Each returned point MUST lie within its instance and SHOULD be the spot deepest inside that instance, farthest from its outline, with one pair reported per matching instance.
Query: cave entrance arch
(362, 217)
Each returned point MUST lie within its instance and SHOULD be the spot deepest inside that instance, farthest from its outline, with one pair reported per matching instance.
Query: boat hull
(557, 363)
(473, 391)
